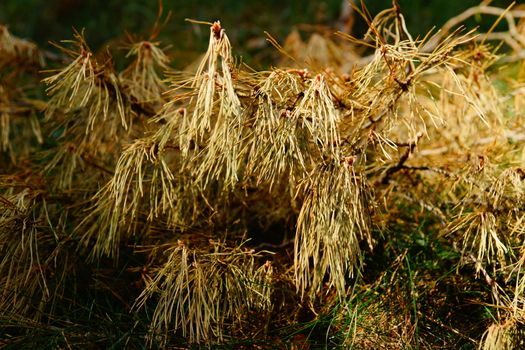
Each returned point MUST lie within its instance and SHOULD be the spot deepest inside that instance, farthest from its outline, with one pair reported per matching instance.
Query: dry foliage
(319, 162)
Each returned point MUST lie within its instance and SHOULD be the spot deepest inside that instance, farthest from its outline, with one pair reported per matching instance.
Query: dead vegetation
(365, 200)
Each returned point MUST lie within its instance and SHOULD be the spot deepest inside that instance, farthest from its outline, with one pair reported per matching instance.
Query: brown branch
(434, 41)
(400, 164)
(512, 37)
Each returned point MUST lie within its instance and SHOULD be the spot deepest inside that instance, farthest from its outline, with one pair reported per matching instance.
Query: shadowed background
(107, 21)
